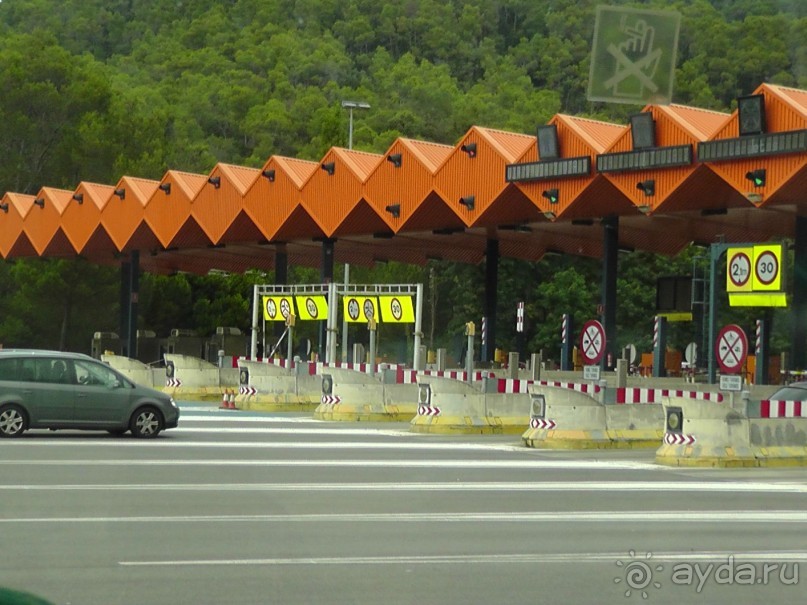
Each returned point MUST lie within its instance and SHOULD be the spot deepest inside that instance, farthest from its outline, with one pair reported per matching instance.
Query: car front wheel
(146, 423)
(13, 421)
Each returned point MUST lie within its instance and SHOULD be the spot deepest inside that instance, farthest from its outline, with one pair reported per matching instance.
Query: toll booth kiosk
(103, 342)
(184, 342)
(229, 340)
(148, 347)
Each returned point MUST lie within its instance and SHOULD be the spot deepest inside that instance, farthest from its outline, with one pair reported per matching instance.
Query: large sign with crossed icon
(731, 349)
(592, 342)
(633, 55)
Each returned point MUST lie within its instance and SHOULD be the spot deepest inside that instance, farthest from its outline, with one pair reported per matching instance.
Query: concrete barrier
(136, 370)
(451, 406)
(715, 435)
(188, 377)
(563, 418)
(350, 395)
(265, 386)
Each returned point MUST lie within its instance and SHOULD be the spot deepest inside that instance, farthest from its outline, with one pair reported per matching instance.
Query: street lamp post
(350, 106)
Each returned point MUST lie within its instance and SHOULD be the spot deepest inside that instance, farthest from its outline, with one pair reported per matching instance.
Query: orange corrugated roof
(431, 155)
(240, 176)
(510, 145)
(598, 135)
(299, 170)
(700, 123)
(795, 97)
(189, 182)
(360, 163)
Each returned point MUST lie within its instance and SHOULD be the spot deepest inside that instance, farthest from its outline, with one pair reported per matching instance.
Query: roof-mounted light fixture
(40, 201)
(394, 210)
(121, 193)
(215, 181)
(647, 187)
(4, 208)
(165, 187)
(470, 149)
(396, 159)
(468, 201)
(329, 167)
(758, 177)
(269, 175)
(553, 195)
(79, 197)
(550, 215)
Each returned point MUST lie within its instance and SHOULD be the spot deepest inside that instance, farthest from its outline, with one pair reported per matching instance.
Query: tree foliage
(93, 89)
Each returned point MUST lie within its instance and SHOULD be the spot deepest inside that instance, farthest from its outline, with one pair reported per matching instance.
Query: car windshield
(92, 373)
(793, 392)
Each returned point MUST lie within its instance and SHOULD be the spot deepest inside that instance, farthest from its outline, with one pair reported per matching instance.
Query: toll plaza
(673, 175)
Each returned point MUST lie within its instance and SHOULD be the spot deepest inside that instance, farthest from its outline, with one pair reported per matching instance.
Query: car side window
(8, 369)
(54, 371)
(26, 370)
(94, 374)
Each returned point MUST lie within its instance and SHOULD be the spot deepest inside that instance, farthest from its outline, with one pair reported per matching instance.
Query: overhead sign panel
(396, 309)
(633, 55)
(360, 309)
(277, 308)
(311, 308)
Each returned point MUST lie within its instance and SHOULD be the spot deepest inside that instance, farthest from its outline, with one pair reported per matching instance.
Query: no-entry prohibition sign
(731, 348)
(592, 342)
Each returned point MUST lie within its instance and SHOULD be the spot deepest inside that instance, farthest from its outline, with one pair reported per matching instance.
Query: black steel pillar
(134, 295)
(567, 343)
(798, 346)
(326, 275)
(660, 347)
(281, 278)
(491, 297)
(610, 253)
(123, 323)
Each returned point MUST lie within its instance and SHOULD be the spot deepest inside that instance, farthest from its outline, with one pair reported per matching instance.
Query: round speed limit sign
(766, 268)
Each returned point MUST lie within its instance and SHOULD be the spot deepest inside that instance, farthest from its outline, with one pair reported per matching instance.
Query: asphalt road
(242, 508)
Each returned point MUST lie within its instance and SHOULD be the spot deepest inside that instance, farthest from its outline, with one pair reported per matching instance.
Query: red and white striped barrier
(411, 376)
(641, 395)
(782, 409)
(580, 387)
(512, 385)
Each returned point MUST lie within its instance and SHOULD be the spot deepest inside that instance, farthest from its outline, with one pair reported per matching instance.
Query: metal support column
(134, 296)
(566, 343)
(123, 329)
(417, 362)
(798, 346)
(491, 298)
(326, 275)
(610, 253)
(660, 347)
(762, 349)
(281, 278)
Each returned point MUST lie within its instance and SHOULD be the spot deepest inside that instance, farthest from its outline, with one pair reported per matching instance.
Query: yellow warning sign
(312, 308)
(360, 309)
(277, 308)
(397, 309)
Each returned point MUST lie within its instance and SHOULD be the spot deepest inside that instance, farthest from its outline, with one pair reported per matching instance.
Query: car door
(49, 403)
(102, 397)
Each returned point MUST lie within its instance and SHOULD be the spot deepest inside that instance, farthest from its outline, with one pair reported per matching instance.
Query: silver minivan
(58, 390)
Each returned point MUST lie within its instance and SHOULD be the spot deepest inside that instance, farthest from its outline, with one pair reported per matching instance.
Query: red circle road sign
(592, 342)
(766, 268)
(739, 269)
(731, 348)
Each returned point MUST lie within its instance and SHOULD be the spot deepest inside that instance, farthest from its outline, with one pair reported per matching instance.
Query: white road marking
(633, 517)
(535, 464)
(610, 557)
(277, 445)
(477, 486)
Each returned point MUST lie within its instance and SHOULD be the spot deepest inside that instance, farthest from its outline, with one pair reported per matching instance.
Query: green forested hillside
(94, 89)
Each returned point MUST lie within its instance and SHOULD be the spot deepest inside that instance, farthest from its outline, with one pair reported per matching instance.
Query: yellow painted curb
(465, 425)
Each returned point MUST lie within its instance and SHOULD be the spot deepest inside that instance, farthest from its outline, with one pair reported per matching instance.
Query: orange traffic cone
(232, 400)
(225, 402)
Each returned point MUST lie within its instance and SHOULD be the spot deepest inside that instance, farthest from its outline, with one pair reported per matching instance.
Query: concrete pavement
(241, 507)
